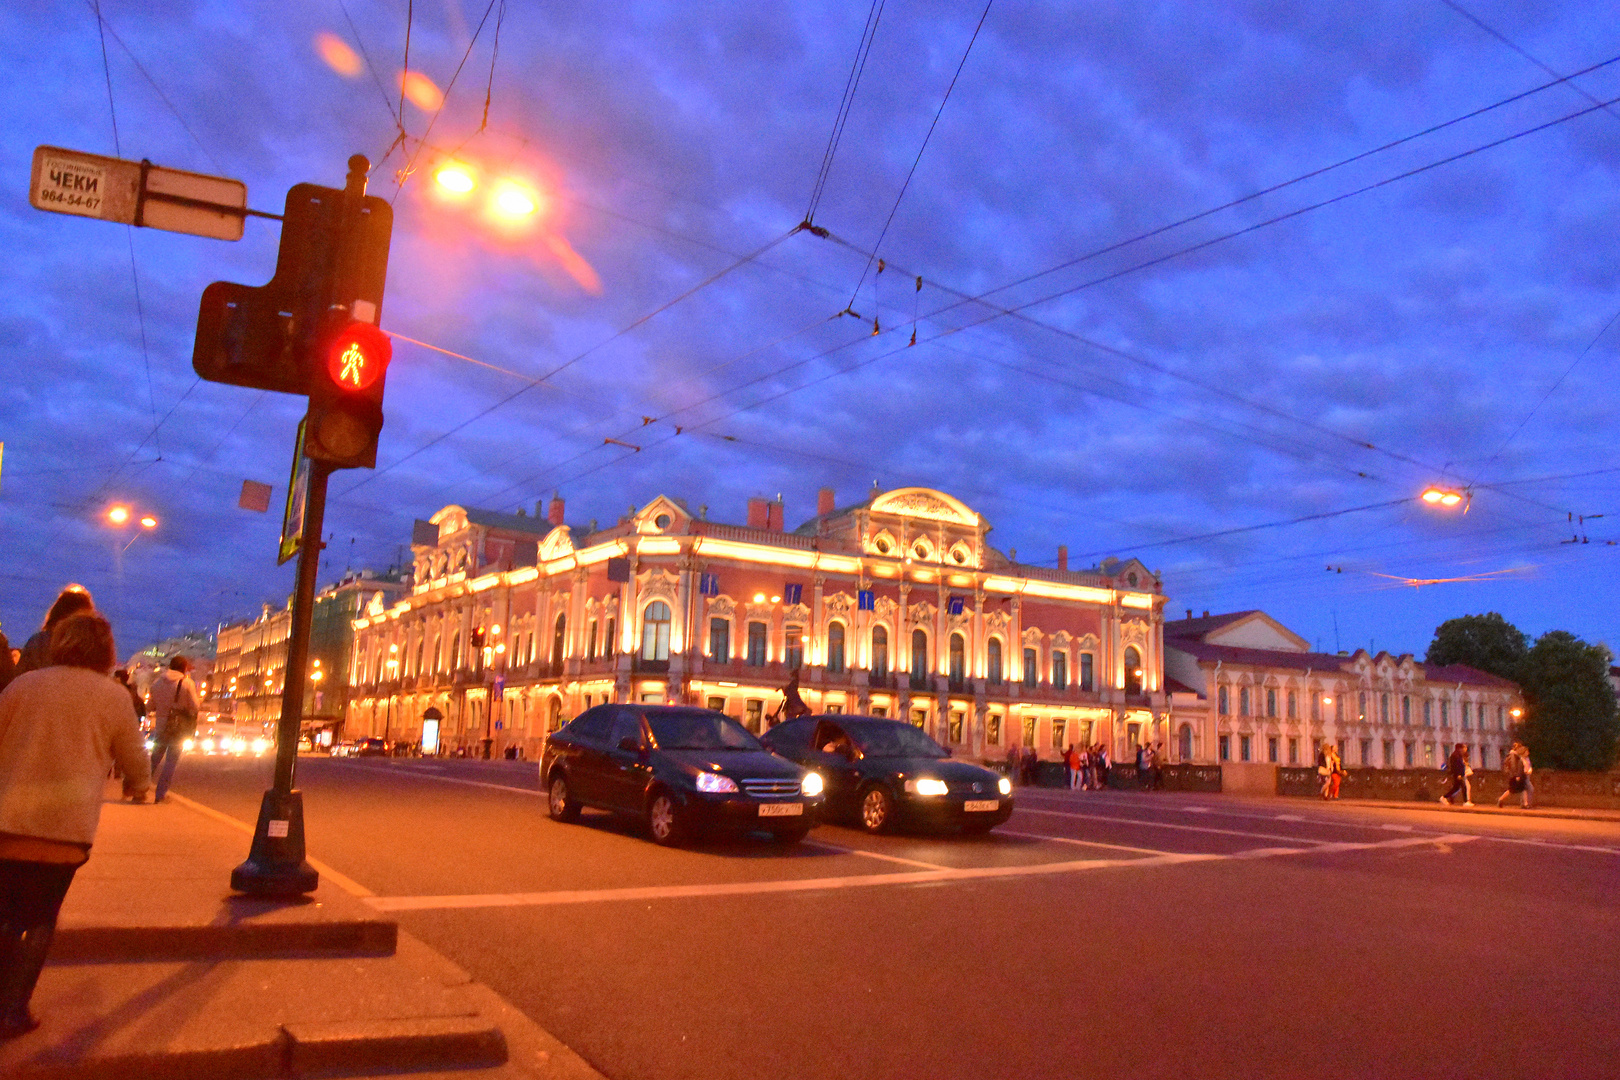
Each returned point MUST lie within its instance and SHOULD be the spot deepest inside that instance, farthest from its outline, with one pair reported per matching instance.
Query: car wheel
(563, 806)
(790, 836)
(664, 820)
(877, 810)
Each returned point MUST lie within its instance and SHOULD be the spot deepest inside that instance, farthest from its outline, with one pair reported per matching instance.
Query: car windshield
(699, 729)
(895, 739)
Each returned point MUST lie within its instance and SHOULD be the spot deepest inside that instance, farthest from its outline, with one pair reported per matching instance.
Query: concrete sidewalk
(1489, 809)
(159, 971)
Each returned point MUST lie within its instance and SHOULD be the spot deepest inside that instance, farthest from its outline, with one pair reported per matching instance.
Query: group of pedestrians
(1330, 770)
(1085, 768)
(65, 723)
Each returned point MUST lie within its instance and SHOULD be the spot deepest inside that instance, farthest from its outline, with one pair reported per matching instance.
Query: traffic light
(346, 395)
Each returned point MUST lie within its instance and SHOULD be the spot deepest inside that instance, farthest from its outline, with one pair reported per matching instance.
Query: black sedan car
(885, 773)
(684, 771)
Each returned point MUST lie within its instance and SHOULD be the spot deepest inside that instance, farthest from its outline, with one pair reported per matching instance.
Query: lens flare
(118, 515)
(513, 201)
(338, 56)
(421, 91)
(455, 178)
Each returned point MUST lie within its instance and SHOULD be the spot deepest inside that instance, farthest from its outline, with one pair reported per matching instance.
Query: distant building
(1245, 688)
(149, 663)
(252, 654)
(897, 606)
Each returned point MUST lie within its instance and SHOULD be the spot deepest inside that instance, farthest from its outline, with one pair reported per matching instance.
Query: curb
(287, 941)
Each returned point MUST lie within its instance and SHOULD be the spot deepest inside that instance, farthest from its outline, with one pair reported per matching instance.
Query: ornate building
(897, 606)
(1245, 688)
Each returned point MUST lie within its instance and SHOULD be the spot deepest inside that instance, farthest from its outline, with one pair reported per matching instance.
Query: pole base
(275, 865)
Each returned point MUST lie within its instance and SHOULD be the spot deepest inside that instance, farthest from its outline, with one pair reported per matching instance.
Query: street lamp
(1446, 497)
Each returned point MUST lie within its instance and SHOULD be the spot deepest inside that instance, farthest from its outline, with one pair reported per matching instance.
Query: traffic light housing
(346, 395)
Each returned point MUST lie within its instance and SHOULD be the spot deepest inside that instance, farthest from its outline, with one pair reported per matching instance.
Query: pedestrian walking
(1032, 766)
(1083, 767)
(1335, 771)
(1324, 770)
(62, 727)
(174, 707)
(122, 675)
(1157, 766)
(36, 650)
(1457, 773)
(1071, 768)
(1142, 766)
(1516, 764)
(1102, 767)
(1014, 763)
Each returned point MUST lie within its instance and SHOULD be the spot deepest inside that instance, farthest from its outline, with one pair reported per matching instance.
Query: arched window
(559, 638)
(1032, 668)
(835, 647)
(992, 665)
(919, 656)
(958, 661)
(880, 652)
(1223, 702)
(1133, 671)
(655, 631)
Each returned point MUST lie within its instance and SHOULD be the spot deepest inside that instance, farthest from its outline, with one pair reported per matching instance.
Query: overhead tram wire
(852, 82)
(637, 323)
(1503, 38)
(878, 244)
(156, 89)
(410, 163)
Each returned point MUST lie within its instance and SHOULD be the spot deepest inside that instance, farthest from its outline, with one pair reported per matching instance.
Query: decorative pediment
(924, 503)
(662, 515)
(1133, 631)
(796, 613)
(883, 607)
(958, 622)
(920, 614)
(1061, 639)
(1032, 637)
(762, 611)
(996, 621)
(838, 605)
(558, 543)
(450, 520)
(722, 607)
(658, 584)
(376, 606)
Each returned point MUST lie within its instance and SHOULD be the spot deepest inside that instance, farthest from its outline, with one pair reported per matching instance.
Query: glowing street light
(148, 522)
(1439, 496)
(455, 178)
(515, 202)
(118, 515)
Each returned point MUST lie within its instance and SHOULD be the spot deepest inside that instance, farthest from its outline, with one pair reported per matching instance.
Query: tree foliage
(1487, 642)
(1571, 720)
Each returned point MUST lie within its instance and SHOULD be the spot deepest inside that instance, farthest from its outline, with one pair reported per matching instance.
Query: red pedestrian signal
(358, 356)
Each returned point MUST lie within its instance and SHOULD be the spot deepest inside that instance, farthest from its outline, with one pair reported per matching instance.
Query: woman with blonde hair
(61, 729)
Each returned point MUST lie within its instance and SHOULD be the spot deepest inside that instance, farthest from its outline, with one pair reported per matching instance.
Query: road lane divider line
(1170, 825)
(421, 775)
(342, 881)
(1081, 843)
(916, 877)
(1171, 808)
(874, 855)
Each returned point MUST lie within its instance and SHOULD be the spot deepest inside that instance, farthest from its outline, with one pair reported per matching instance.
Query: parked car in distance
(684, 771)
(882, 774)
(371, 746)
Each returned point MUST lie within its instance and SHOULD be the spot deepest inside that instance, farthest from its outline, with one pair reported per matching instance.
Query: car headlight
(714, 783)
(926, 786)
(150, 745)
(208, 746)
(811, 785)
(1004, 785)
(188, 744)
(260, 745)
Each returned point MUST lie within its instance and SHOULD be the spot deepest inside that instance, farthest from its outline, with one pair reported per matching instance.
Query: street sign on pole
(137, 193)
(292, 518)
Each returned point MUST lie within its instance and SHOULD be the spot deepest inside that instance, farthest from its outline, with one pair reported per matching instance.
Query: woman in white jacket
(61, 729)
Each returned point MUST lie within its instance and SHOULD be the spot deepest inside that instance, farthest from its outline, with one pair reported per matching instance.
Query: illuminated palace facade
(895, 607)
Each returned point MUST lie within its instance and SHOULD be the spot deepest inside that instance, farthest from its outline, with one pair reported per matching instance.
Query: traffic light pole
(276, 865)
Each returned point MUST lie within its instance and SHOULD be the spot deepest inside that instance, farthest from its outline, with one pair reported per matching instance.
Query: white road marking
(874, 855)
(1397, 828)
(413, 771)
(1170, 825)
(1289, 817)
(1195, 809)
(1080, 843)
(921, 877)
(342, 881)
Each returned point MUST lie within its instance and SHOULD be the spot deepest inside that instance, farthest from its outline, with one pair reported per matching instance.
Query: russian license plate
(976, 806)
(781, 809)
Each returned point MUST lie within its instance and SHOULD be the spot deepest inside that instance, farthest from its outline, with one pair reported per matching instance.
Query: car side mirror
(630, 743)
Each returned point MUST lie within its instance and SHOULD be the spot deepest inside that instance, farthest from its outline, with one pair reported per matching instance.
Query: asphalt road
(1095, 934)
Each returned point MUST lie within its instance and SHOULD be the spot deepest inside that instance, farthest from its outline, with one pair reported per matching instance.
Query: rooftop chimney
(1206, 614)
(758, 517)
(1189, 613)
(1063, 556)
(773, 515)
(554, 513)
(826, 502)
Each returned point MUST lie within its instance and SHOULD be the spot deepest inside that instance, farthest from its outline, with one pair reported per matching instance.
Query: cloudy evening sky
(1322, 351)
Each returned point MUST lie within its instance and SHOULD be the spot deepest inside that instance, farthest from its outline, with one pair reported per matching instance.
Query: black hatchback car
(885, 773)
(684, 771)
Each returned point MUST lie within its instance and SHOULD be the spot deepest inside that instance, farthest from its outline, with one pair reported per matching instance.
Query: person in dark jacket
(1457, 773)
(8, 666)
(36, 652)
(122, 675)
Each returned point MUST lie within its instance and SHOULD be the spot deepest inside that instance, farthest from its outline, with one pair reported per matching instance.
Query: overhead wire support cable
(874, 14)
(410, 164)
(878, 244)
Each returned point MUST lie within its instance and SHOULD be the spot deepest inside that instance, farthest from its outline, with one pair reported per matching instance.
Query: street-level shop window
(1060, 671)
(1058, 727)
(720, 640)
(1032, 669)
(992, 730)
(880, 711)
(1226, 748)
(1223, 701)
(834, 710)
(835, 647)
(1245, 747)
(1029, 731)
(756, 644)
(1088, 678)
(718, 704)
(753, 711)
(919, 718)
(1293, 751)
(957, 718)
(992, 662)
